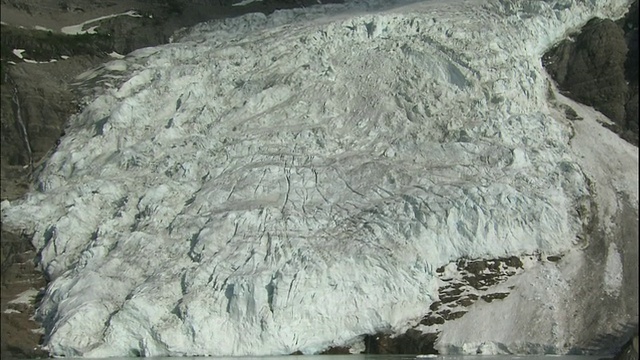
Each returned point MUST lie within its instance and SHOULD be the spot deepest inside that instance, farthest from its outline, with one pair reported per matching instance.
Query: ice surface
(264, 185)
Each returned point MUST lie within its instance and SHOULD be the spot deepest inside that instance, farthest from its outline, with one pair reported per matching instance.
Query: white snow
(612, 164)
(41, 28)
(11, 311)
(115, 55)
(39, 62)
(267, 184)
(246, 2)
(78, 29)
(613, 271)
(18, 52)
(25, 297)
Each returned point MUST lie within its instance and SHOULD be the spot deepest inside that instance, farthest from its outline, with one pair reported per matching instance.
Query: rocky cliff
(598, 66)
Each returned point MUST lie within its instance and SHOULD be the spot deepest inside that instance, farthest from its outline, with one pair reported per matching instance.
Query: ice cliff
(264, 185)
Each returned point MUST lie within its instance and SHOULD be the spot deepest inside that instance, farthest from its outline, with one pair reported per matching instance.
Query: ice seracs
(265, 185)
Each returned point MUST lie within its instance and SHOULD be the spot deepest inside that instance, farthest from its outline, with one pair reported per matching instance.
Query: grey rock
(599, 67)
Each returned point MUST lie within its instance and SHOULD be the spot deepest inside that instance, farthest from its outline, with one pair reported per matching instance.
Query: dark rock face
(591, 69)
(411, 342)
(629, 351)
(630, 27)
(36, 103)
(338, 350)
(599, 67)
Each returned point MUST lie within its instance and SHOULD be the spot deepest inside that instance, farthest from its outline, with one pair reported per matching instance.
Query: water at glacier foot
(381, 357)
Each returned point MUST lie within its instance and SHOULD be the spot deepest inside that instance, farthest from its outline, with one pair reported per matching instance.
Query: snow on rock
(26, 297)
(264, 185)
(79, 29)
(246, 2)
(18, 52)
(115, 55)
(613, 271)
(611, 165)
(41, 28)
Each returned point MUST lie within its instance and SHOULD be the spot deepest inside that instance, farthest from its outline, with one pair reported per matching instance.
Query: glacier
(270, 184)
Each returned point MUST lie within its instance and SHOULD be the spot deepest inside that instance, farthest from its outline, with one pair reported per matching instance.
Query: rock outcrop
(629, 351)
(599, 67)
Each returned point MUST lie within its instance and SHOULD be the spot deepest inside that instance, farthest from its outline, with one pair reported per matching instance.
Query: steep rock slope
(296, 184)
(599, 67)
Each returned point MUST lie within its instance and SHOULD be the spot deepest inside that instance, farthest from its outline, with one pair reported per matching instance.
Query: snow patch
(612, 166)
(613, 271)
(26, 297)
(18, 52)
(246, 2)
(41, 28)
(78, 29)
(40, 62)
(115, 55)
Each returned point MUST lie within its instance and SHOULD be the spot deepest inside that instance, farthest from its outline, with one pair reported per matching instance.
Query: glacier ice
(268, 184)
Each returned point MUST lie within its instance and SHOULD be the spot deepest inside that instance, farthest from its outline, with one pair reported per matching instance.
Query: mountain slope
(271, 184)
